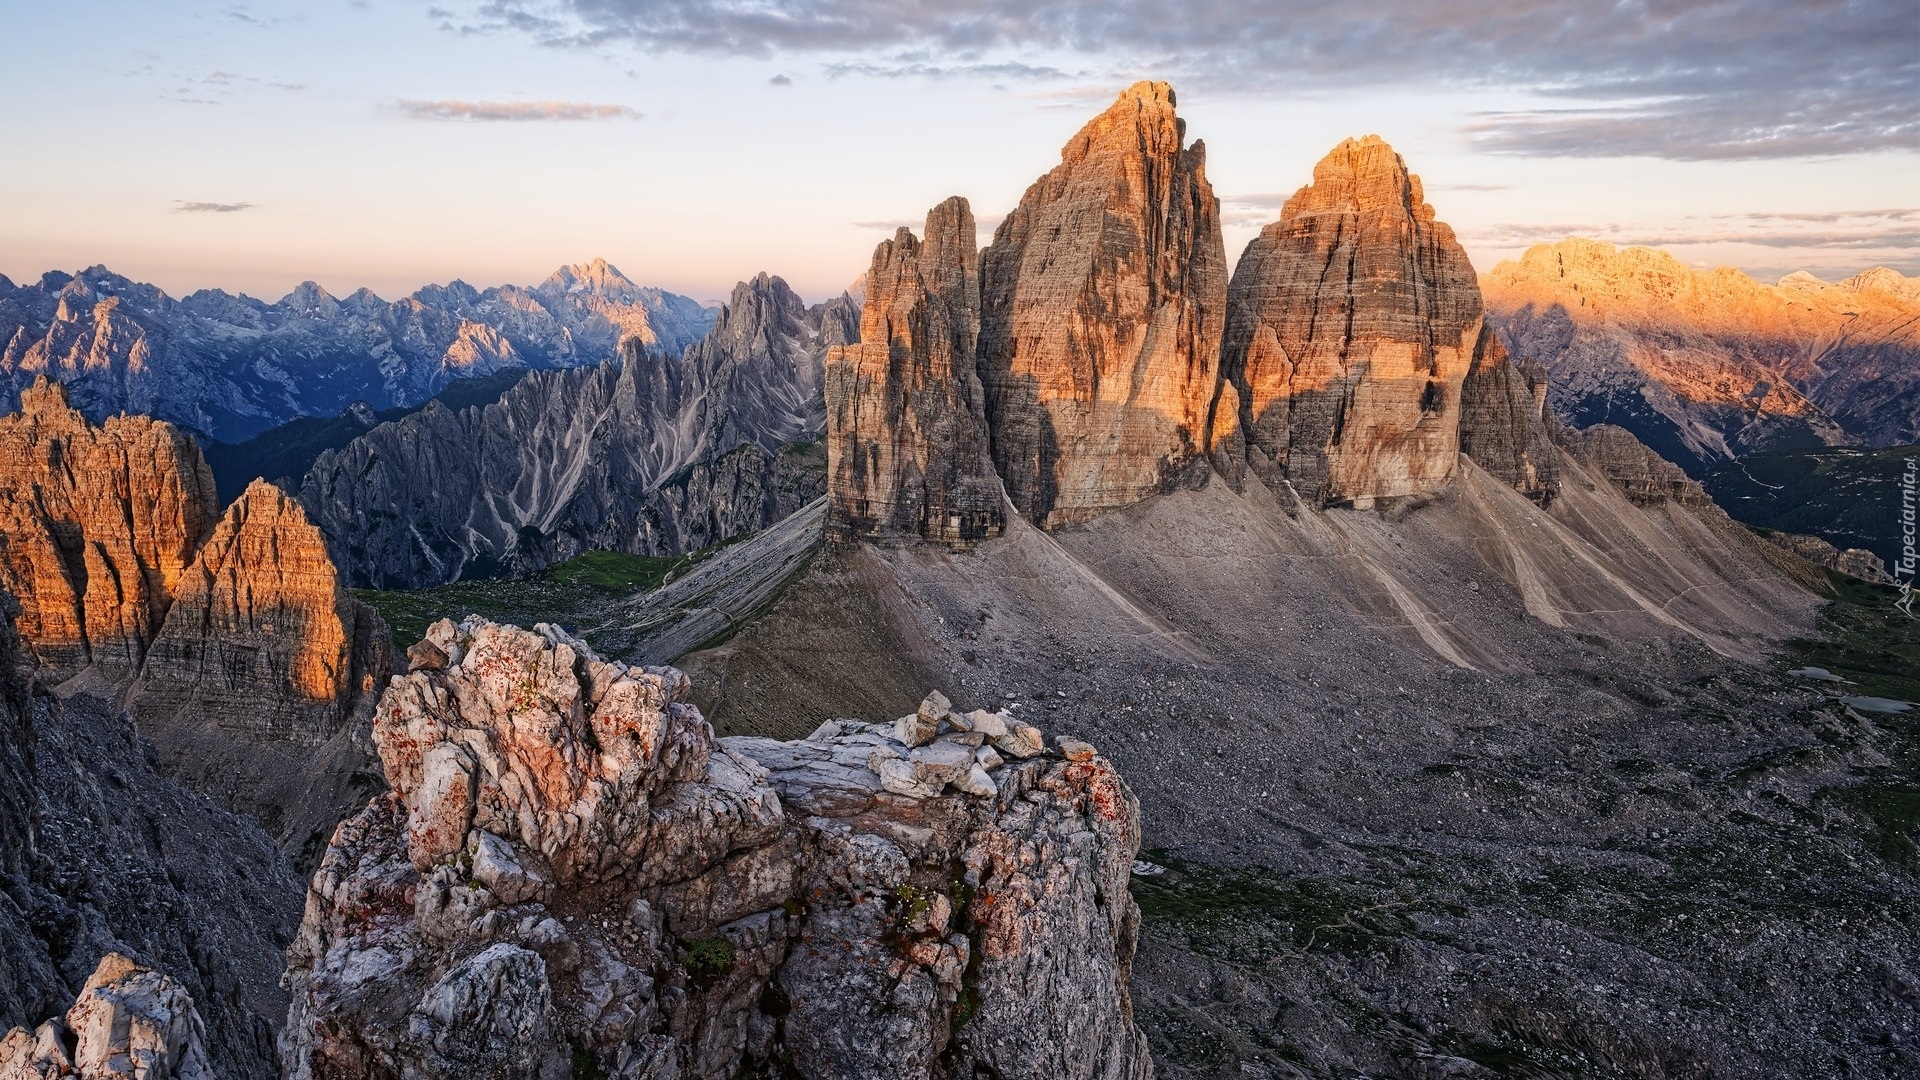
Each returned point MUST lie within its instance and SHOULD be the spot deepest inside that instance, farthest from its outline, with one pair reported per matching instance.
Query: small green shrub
(708, 959)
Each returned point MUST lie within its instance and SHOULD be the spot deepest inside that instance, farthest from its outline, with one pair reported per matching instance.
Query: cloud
(1680, 79)
(1844, 230)
(182, 207)
(515, 111)
(781, 80)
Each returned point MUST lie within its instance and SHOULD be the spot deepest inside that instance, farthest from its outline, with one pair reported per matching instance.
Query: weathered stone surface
(1504, 424)
(1707, 365)
(129, 1022)
(1102, 296)
(652, 454)
(906, 415)
(729, 904)
(1646, 477)
(96, 526)
(261, 629)
(1354, 323)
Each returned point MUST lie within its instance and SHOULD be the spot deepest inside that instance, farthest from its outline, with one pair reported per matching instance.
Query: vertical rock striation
(1352, 324)
(616, 457)
(261, 630)
(96, 526)
(1504, 424)
(571, 875)
(1102, 302)
(238, 650)
(907, 450)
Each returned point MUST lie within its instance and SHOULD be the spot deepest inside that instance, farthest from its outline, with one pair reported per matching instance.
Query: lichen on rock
(570, 870)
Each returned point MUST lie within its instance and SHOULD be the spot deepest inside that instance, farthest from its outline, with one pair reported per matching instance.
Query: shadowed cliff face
(906, 424)
(1353, 323)
(1102, 301)
(616, 457)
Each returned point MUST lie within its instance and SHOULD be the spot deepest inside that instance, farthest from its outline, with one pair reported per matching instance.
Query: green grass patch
(1866, 640)
(572, 594)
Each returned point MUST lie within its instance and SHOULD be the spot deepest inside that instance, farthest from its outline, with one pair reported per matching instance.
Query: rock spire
(907, 451)
(1102, 301)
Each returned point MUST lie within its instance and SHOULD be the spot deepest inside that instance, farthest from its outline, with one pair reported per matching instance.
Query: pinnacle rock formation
(1102, 297)
(261, 628)
(1704, 366)
(97, 525)
(652, 454)
(907, 450)
(230, 637)
(1354, 323)
(571, 875)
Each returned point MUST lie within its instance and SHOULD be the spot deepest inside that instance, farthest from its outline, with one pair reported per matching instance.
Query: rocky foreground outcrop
(1708, 365)
(907, 448)
(129, 1021)
(653, 454)
(571, 876)
(230, 636)
(1354, 324)
(1102, 298)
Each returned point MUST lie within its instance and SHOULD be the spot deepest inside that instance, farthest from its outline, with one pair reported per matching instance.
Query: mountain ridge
(231, 366)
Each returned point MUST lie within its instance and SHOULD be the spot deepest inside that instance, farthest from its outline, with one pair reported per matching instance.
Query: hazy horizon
(693, 144)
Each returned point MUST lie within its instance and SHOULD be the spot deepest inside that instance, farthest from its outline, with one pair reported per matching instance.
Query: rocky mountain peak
(1353, 324)
(598, 276)
(1102, 301)
(1704, 365)
(907, 446)
(98, 525)
(308, 299)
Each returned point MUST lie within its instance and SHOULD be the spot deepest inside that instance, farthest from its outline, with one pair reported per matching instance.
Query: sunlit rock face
(260, 627)
(1352, 324)
(906, 416)
(1705, 365)
(1102, 302)
(96, 526)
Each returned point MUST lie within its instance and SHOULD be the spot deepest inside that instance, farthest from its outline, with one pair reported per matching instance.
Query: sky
(693, 143)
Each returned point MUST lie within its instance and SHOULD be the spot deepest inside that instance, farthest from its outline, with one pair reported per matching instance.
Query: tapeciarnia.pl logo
(1903, 568)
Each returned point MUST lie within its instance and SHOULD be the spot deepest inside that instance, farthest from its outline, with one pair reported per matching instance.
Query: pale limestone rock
(1075, 750)
(717, 907)
(128, 1023)
(1021, 741)
(1103, 296)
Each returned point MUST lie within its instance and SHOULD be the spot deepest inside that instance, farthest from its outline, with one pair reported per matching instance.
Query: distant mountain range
(1705, 366)
(231, 367)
